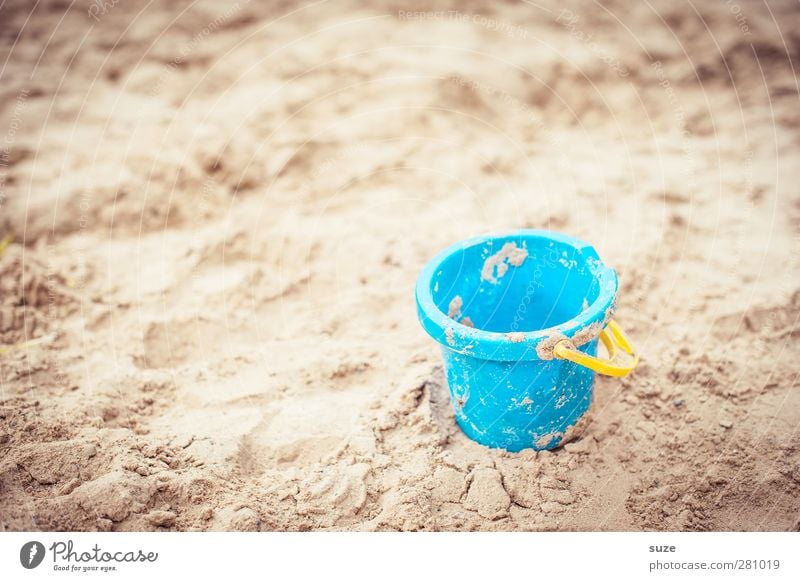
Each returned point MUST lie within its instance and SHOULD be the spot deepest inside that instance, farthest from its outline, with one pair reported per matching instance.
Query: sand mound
(32, 297)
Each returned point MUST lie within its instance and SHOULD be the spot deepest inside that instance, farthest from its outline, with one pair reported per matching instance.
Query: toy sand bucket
(519, 317)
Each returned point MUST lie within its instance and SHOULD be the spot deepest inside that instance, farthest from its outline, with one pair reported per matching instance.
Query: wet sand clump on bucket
(547, 439)
(571, 434)
(454, 312)
(509, 255)
(454, 309)
(588, 333)
(576, 431)
(544, 349)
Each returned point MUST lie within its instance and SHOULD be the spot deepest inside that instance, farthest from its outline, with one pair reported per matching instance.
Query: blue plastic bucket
(499, 305)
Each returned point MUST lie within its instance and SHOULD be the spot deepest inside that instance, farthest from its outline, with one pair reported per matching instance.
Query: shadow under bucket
(518, 317)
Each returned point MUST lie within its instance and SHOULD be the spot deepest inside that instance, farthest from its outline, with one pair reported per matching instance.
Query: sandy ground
(219, 212)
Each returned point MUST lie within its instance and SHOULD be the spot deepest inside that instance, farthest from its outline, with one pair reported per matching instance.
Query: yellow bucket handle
(611, 366)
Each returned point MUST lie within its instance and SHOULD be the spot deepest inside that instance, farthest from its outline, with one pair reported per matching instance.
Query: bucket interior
(515, 285)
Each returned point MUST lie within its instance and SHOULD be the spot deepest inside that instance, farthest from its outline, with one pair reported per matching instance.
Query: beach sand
(219, 212)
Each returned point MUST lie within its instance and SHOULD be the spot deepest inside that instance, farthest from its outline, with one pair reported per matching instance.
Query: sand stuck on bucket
(509, 255)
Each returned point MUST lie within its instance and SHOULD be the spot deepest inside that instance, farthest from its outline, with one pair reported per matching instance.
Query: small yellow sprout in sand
(46, 340)
(4, 243)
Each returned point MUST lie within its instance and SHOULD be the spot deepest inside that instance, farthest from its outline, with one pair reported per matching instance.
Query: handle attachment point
(616, 365)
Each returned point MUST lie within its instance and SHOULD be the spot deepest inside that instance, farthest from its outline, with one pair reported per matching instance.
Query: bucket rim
(518, 345)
